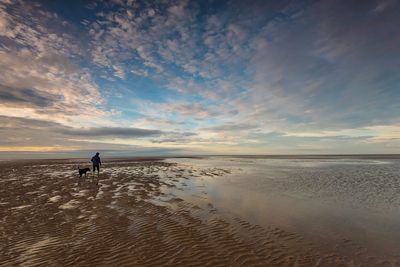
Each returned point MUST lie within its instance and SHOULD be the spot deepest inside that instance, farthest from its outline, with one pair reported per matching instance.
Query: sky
(173, 77)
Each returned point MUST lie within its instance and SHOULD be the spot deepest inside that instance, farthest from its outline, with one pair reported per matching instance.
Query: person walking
(96, 163)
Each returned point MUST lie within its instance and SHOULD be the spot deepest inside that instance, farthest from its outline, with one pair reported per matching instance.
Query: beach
(207, 211)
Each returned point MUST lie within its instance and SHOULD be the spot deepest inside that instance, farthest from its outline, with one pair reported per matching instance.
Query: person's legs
(96, 167)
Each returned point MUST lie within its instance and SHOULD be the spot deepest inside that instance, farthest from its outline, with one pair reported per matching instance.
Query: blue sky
(200, 77)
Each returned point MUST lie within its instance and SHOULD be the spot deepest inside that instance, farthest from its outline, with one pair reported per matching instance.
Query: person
(96, 163)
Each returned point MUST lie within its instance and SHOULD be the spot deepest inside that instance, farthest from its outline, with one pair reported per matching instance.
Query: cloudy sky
(199, 77)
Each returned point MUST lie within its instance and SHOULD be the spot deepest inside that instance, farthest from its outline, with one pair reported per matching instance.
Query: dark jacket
(96, 160)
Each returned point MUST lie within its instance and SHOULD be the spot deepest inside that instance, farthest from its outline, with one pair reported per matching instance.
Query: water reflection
(328, 201)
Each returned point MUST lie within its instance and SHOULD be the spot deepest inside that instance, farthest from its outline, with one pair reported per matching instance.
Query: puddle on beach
(331, 202)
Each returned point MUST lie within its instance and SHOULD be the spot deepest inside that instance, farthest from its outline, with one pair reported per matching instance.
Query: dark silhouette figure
(83, 171)
(96, 163)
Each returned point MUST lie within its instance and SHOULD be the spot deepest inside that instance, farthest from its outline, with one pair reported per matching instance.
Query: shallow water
(340, 202)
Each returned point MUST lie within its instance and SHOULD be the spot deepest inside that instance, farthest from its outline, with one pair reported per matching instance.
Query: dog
(83, 171)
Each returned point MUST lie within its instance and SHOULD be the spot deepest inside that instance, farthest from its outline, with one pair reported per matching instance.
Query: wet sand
(135, 214)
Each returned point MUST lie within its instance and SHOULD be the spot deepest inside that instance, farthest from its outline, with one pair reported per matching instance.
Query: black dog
(83, 171)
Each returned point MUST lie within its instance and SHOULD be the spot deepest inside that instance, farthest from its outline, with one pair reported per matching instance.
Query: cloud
(25, 97)
(323, 67)
(40, 71)
(22, 134)
(232, 127)
(157, 44)
(111, 132)
(383, 5)
(176, 137)
(314, 72)
(175, 110)
(44, 89)
(190, 110)
(119, 71)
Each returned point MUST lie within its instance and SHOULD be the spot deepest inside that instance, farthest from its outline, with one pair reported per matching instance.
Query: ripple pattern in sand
(124, 218)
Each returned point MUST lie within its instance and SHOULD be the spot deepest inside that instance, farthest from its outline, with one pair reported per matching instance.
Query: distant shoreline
(161, 157)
